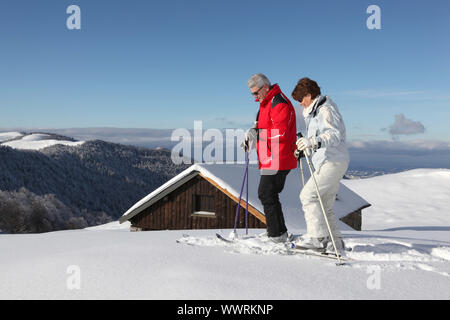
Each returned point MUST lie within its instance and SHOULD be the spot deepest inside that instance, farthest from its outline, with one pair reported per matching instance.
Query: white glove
(304, 143)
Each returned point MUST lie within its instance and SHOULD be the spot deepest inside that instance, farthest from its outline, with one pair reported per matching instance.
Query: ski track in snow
(385, 252)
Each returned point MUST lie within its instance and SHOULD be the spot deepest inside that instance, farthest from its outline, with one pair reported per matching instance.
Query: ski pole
(246, 198)
(300, 162)
(240, 195)
(323, 208)
(301, 170)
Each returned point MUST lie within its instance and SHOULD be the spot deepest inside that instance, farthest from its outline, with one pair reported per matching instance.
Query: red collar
(274, 90)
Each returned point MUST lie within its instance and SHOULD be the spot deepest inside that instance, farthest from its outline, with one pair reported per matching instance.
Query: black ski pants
(269, 188)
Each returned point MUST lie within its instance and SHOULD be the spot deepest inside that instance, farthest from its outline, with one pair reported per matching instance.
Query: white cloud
(405, 126)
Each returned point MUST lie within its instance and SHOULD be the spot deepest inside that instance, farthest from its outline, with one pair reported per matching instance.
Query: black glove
(298, 154)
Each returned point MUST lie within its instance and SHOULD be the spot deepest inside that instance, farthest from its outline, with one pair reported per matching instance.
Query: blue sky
(164, 64)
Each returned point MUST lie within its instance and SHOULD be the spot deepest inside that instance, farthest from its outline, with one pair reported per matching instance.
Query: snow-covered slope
(5, 136)
(415, 199)
(34, 141)
(400, 260)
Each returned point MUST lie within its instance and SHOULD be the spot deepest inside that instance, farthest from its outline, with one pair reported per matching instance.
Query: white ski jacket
(325, 125)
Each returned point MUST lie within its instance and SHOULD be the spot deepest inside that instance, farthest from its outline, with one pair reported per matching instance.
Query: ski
(294, 249)
(298, 247)
(219, 236)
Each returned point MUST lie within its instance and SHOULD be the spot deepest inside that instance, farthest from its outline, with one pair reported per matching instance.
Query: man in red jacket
(274, 135)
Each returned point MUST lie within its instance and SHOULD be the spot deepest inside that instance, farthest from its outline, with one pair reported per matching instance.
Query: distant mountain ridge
(96, 176)
(13, 136)
(35, 140)
(367, 158)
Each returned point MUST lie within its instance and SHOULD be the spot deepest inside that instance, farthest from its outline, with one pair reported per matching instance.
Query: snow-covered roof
(229, 177)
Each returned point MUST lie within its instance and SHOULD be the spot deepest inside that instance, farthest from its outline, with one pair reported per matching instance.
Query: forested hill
(92, 180)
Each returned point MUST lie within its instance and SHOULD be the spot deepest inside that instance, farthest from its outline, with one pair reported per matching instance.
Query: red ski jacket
(277, 132)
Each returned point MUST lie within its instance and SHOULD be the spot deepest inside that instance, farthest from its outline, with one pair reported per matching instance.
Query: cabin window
(204, 206)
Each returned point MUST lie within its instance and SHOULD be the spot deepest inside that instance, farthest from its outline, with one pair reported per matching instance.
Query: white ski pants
(327, 177)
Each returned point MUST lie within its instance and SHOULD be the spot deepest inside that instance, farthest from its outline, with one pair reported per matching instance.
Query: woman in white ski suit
(325, 140)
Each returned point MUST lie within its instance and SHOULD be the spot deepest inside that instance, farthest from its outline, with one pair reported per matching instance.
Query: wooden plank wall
(174, 212)
(353, 220)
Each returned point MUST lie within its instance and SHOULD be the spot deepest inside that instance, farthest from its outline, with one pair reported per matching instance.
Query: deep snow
(403, 253)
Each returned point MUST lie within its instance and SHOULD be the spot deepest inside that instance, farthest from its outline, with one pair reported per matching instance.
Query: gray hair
(258, 80)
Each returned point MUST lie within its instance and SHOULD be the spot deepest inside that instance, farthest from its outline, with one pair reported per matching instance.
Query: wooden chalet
(205, 196)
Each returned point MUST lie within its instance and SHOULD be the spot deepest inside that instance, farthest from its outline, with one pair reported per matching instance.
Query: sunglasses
(257, 92)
